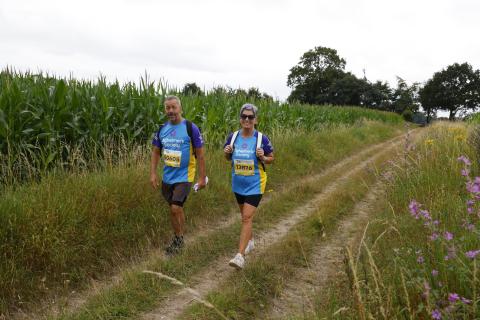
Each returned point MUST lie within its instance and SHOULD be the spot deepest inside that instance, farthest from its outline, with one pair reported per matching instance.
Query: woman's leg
(248, 211)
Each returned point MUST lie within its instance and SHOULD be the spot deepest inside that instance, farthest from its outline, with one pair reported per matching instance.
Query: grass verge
(421, 259)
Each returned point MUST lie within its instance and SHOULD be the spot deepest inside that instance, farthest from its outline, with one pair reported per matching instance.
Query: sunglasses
(249, 117)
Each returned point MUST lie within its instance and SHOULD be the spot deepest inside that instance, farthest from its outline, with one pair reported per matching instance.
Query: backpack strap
(234, 137)
(259, 139)
(259, 145)
(190, 134)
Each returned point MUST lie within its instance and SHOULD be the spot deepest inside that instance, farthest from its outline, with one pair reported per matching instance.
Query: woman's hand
(228, 149)
(261, 154)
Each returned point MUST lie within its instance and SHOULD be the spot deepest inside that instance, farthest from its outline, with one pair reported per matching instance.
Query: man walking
(180, 143)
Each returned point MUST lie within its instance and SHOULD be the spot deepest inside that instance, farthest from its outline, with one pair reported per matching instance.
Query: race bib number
(172, 158)
(244, 167)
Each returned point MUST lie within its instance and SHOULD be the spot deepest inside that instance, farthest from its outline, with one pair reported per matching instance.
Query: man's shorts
(252, 200)
(176, 193)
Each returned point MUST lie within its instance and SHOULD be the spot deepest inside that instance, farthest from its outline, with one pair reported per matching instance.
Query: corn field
(46, 121)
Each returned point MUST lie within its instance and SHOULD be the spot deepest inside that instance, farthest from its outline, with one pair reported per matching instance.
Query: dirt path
(219, 270)
(326, 262)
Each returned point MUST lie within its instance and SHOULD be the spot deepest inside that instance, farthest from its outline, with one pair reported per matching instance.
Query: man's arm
(153, 167)
(202, 171)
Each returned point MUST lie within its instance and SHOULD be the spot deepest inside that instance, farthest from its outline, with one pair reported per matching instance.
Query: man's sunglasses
(250, 116)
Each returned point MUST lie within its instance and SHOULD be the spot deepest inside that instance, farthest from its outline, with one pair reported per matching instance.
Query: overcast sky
(241, 43)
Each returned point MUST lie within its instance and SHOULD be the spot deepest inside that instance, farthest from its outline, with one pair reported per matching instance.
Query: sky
(241, 43)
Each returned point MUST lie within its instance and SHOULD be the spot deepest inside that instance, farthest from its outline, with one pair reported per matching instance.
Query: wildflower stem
(474, 304)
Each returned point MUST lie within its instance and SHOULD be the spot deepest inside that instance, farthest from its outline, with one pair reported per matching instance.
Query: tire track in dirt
(298, 294)
(218, 271)
(326, 262)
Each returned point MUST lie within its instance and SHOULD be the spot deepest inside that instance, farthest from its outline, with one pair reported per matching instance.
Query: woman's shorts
(252, 200)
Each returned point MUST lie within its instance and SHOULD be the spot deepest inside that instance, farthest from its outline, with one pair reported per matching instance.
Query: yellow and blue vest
(177, 151)
(248, 174)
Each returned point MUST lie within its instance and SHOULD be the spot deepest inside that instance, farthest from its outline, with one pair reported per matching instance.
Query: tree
(254, 94)
(427, 99)
(377, 96)
(454, 89)
(192, 89)
(405, 97)
(312, 77)
(347, 90)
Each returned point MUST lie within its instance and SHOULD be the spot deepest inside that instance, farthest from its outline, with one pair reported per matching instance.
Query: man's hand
(154, 180)
(201, 183)
(228, 149)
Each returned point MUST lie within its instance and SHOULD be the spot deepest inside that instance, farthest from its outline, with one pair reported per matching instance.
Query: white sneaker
(237, 262)
(250, 246)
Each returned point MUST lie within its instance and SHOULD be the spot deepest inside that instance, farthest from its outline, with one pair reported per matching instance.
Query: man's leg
(177, 215)
(178, 219)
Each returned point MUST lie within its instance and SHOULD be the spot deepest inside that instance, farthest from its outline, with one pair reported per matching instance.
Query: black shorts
(176, 193)
(252, 200)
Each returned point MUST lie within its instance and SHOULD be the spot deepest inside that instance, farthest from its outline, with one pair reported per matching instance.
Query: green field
(48, 122)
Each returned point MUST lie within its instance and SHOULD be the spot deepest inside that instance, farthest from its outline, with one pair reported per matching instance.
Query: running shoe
(175, 246)
(237, 262)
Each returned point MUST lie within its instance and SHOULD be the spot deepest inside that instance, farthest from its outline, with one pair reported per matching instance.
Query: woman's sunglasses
(249, 117)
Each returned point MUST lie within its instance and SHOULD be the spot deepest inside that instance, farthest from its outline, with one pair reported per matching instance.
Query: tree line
(320, 78)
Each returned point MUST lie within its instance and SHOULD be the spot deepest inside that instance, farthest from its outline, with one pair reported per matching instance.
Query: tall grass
(420, 260)
(48, 122)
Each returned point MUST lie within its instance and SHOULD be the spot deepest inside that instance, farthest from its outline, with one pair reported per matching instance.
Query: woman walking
(249, 151)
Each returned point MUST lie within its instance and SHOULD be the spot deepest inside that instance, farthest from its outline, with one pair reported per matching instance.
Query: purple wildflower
(436, 314)
(465, 300)
(434, 236)
(465, 172)
(465, 160)
(467, 225)
(470, 203)
(414, 207)
(425, 214)
(420, 259)
(448, 236)
(436, 222)
(434, 272)
(473, 187)
(453, 297)
(472, 254)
